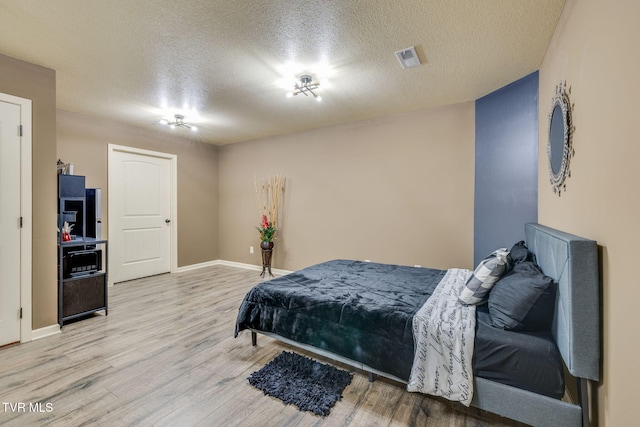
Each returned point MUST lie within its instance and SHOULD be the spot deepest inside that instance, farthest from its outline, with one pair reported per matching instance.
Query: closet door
(9, 223)
(140, 214)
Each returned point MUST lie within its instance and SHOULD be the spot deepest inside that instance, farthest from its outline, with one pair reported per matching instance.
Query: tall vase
(267, 251)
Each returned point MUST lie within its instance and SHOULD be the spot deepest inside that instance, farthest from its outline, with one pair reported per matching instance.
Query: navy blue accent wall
(506, 165)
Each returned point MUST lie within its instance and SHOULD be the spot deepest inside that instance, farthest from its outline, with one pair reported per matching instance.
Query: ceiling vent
(408, 57)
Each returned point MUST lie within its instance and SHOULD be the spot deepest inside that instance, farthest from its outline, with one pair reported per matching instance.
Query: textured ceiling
(223, 63)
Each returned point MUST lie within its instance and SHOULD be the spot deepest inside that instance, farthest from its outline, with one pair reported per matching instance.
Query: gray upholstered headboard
(573, 262)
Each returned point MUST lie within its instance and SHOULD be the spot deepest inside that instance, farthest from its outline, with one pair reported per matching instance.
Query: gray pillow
(523, 299)
(518, 253)
(484, 277)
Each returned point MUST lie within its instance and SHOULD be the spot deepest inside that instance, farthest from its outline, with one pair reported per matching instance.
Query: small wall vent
(408, 57)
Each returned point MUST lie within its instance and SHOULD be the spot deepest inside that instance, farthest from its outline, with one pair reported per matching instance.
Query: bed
(361, 314)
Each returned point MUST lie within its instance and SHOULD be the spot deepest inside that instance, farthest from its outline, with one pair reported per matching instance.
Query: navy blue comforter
(358, 310)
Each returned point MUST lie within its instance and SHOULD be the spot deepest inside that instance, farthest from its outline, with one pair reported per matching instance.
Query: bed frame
(572, 262)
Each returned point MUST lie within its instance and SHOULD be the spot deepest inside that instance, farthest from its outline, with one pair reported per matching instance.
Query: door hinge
(20, 222)
(21, 312)
(20, 129)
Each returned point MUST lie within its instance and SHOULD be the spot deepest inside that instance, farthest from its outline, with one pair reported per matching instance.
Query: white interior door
(141, 213)
(9, 223)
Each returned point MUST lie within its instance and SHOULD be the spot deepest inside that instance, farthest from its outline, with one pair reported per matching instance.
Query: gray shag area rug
(298, 380)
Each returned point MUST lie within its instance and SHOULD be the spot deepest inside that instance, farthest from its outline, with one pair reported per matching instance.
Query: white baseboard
(275, 271)
(197, 266)
(47, 331)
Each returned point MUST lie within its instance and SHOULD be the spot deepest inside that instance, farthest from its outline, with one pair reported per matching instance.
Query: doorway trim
(26, 231)
(173, 197)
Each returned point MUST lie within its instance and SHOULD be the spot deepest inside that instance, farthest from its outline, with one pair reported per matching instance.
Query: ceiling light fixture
(178, 123)
(306, 87)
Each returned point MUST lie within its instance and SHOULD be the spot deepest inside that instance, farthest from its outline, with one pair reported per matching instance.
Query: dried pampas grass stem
(269, 194)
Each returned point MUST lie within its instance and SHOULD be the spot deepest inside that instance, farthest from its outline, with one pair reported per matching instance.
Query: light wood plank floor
(165, 356)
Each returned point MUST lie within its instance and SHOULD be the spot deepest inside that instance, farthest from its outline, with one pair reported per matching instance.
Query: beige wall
(84, 140)
(595, 50)
(19, 78)
(396, 189)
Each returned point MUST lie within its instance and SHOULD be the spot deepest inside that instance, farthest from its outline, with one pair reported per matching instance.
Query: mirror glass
(559, 146)
(556, 139)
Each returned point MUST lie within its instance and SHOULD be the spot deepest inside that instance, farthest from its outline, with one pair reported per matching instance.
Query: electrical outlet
(417, 265)
(367, 260)
(250, 249)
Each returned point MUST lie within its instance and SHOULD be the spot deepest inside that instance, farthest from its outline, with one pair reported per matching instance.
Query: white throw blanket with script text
(444, 333)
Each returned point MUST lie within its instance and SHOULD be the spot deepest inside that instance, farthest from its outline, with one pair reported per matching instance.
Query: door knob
(167, 221)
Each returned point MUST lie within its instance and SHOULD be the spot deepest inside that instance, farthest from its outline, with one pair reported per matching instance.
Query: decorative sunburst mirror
(560, 146)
